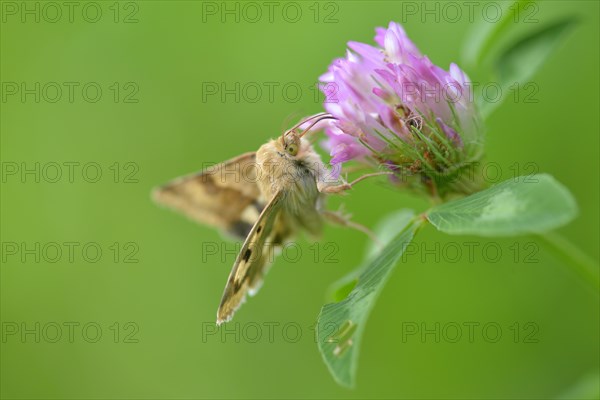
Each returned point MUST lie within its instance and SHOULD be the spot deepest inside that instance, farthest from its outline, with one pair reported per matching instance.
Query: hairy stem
(580, 263)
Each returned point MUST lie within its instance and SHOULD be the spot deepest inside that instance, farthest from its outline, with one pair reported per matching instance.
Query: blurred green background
(159, 122)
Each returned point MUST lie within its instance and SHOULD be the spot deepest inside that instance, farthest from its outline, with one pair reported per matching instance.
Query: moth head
(290, 140)
(291, 143)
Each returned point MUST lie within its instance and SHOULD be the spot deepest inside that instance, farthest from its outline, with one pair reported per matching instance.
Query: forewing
(225, 195)
(253, 259)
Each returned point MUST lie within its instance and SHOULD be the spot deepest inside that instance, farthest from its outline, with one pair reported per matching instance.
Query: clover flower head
(395, 108)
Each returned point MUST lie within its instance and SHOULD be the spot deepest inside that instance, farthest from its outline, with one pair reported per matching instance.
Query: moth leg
(347, 186)
(339, 218)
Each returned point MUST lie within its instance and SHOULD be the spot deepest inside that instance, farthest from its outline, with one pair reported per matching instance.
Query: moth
(264, 198)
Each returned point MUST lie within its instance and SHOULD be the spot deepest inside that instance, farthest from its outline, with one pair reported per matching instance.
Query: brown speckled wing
(225, 196)
(254, 258)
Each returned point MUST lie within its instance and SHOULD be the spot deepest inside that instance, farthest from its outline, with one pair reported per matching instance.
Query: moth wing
(225, 196)
(253, 260)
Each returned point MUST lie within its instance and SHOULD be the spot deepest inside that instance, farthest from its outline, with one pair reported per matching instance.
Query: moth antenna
(288, 120)
(316, 121)
(319, 115)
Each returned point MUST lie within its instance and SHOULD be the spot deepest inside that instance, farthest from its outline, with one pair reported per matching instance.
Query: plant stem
(580, 263)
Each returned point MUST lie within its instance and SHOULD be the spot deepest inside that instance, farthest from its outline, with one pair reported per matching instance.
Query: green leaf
(385, 232)
(527, 204)
(340, 325)
(486, 35)
(520, 61)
